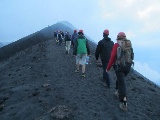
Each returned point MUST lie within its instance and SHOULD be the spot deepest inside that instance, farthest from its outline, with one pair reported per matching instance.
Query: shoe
(76, 71)
(123, 106)
(83, 75)
(116, 94)
(66, 52)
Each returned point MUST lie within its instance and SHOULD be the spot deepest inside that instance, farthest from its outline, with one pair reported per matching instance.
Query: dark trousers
(121, 73)
(60, 41)
(105, 74)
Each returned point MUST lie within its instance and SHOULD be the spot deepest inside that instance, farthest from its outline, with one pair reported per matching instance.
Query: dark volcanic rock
(41, 84)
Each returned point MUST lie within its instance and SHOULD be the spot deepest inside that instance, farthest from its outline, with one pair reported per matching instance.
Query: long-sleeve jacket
(113, 56)
(81, 46)
(67, 37)
(104, 49)
(74, 37)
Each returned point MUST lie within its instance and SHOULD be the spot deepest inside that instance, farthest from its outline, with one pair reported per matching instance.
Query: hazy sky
(139, 19)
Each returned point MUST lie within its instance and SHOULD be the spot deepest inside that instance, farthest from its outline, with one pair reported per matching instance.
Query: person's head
(75, 31)
(121, 35)
(105, 32)
(80, 32)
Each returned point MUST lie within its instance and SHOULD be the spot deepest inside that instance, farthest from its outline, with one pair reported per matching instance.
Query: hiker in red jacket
(121, 73)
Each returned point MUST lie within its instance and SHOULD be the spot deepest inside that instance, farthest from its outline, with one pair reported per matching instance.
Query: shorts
(81, 59)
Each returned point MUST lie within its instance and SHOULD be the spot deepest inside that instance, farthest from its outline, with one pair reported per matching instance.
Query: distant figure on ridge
(67, 39)
(55, 35)
(121, 59)
(59, 38)
(74, 37)
(62, 33)
(81, 50)
(104, 49)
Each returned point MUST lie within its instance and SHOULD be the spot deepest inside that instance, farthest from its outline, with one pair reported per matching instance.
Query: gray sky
(139, 19)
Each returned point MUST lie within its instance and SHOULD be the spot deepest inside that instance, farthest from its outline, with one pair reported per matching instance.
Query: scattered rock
(29, 67)
(48, 89)
(133, 78)
(140, 77)
(45, 75)
(151, 89)
(9, 74)
(35, 93)
(61, 112)
(45, 85)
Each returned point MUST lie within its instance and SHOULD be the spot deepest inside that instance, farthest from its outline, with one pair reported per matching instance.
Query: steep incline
(39, 83)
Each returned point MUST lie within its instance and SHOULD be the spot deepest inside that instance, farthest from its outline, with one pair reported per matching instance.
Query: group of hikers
(119, 56)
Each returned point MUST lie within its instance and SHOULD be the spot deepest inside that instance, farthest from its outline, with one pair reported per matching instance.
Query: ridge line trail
(88, 93)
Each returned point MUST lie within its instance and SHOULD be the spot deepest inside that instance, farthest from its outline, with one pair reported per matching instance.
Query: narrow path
(88, 96)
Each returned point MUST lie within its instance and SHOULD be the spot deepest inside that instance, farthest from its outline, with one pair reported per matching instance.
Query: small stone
(45, 85)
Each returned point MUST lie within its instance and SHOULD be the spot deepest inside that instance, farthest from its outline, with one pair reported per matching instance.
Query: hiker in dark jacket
(121, 73)
(104, 49)
(81, 50)
(67, 42)
(74, 37)
(59, 38)
(62, 33)
(55, 35)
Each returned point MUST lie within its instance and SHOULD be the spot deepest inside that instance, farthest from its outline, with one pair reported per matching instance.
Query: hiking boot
(123, 106)
(83, 75)
(76, 71)
(116, 94)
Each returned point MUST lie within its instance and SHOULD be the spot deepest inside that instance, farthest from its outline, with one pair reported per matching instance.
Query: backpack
(59, 36)
(125, 53)
(67, 37)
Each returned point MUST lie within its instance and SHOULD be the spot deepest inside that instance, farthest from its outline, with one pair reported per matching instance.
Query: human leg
(122, 89)
(106, 75)
(77, 63)
(69, 46)
(83, 63)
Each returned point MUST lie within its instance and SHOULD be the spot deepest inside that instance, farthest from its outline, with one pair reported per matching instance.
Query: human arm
(98, 50)
(113, 57)
(75, 48)
(88, 48)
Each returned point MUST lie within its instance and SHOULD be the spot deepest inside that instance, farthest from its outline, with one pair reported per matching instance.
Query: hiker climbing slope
(74, 37)
(59, 38)
(67, 42)
(81, 50)
(103, 49)
(55, 35)
(121, 57)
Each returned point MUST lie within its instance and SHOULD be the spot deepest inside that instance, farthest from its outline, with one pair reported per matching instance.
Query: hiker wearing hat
(74, 37)
(121, 58)
(103, 50)
(81, 50)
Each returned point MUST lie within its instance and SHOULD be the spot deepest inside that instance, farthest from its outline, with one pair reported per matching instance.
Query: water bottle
(87, 60)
